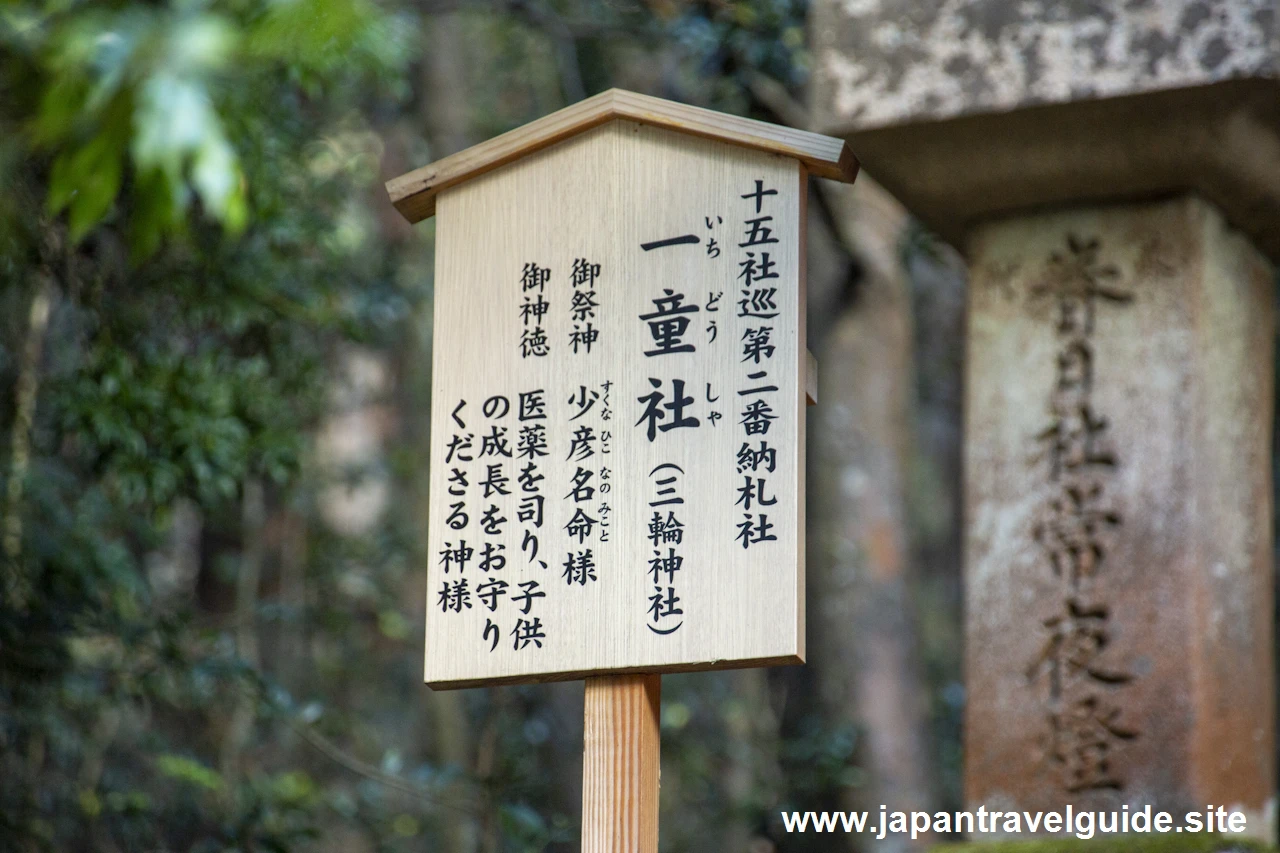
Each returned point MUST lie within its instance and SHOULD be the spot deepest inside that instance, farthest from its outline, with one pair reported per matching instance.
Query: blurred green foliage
(175, 190)
(194, 251)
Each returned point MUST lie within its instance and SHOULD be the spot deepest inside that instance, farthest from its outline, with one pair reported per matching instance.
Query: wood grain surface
(620, 764)
(414, 193)
(599, 196)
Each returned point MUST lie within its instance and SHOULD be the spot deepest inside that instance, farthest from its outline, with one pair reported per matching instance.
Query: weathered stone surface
(888, 62)
(968, 110)
(1118, 492)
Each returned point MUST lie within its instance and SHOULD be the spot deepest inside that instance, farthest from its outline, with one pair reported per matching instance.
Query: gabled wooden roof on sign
(414, 193)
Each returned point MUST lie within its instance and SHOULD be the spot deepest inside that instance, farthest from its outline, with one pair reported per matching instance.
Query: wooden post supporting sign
(620, 763)
(618, 407)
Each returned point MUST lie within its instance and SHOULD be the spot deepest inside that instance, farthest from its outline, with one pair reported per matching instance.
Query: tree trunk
(444, 108)
(17, 586)
(864, 637)
(248, 578)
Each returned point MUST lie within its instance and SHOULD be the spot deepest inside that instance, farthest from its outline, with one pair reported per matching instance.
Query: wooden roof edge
(414, 193)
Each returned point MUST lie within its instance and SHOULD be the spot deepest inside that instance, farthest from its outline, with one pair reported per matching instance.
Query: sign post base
(620, 764)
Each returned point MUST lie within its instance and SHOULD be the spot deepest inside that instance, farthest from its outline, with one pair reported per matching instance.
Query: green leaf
(217, 179)
(295, 788)
(189, 770)
(60, 108)
(201, 43)
(86, 180)
(312, 33)
(154, 215)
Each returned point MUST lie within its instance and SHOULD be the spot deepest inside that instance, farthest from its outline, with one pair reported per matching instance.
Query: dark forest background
(215, 345)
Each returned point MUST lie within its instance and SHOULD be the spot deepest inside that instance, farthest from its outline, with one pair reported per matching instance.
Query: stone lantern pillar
(1112, 173)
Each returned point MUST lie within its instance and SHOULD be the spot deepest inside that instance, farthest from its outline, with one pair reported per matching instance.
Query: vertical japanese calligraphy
(618, 406)
(756, 306)
(583, 305)
(664, 410)
(533, 308)
(666, 535)
(494, 462)
(1084, 714)
(587, 449)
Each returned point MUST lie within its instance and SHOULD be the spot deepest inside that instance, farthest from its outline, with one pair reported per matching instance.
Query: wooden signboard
(618, 394)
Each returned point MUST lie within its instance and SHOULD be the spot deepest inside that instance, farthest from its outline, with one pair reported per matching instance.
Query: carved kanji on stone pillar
(1118, 548)
(1118, 390)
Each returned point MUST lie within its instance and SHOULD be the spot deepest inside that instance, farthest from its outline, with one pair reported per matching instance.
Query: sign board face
(617, 463)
